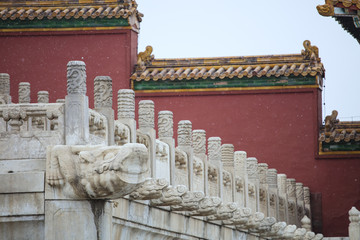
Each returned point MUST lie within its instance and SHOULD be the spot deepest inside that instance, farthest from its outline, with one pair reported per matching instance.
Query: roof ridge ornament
(331, 121)
(310, 52)
(144, 58)
(327, 9)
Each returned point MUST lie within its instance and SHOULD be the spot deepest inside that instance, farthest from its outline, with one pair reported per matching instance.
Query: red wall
(279, 128)
(41, 59)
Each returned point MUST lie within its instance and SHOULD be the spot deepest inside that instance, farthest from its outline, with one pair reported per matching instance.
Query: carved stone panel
(227, 187)
(199, 141)
(24, 92)
(5, 97)
(165, 124)
(162, 161)
(146, 114)
(213, 180)
(227, 157)
(76, 77)
(103, 92)
(199, 175)
(214, 150)
(181, 168)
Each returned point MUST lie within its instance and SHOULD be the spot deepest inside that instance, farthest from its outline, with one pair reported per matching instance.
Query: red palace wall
(41, 59)
(280, 128)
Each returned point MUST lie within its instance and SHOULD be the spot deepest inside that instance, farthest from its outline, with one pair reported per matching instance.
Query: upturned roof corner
(327, 9)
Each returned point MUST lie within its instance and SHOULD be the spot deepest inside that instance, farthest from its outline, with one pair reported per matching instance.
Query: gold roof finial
(144, 58)
(310, 52)
(327, 9)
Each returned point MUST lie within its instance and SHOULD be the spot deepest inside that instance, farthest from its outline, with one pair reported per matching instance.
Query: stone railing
(354, 227)
(199, 177)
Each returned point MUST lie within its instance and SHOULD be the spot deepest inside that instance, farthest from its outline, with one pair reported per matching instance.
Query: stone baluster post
(292, 206)
(253, 185)
(184, 144)
(76, 105)
(24, 92)
(300, 202)
(215, 166)
(166, 135)
(5, 97)
(283, 202)
(271, 180)
(103, 95)
(146, 129)
(227, 160)
(199, 147)
(43, 97)
(307, 202)
(263, 189)
(241, 179)
(306, 223)
(126, 111)
(354, 227)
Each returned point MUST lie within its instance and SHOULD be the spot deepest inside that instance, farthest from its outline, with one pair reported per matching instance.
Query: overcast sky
(213, 28)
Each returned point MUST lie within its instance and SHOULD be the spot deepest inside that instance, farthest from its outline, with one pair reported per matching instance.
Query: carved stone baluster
(271, 179)
(227, 159)
(5, 97)
(292, 206)
(300, 202)
(76, 105)
(126, 111)
(306, 223)
(215, 167)
(166, 165)
(43, 97)
(354, 227)
(147, 132)
(263, 189)
(15, 116)
(200, 160)
(24, 92)
(103, 96)
(307, 202)
(253, 184)
(241, 180)
(185, 145)
(283, 203)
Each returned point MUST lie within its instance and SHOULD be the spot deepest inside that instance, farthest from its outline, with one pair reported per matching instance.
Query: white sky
(213, 28)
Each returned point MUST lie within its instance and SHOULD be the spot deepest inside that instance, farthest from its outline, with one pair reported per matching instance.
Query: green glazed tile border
(341, 146)
(63, 23)
(223, 83)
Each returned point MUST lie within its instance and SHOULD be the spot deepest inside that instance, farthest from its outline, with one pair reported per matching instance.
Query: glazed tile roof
(345, 13)
(64, 10)
(336, 131)
(305, 64)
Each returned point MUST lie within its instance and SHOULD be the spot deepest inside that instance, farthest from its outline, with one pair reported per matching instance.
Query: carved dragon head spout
(98, 172)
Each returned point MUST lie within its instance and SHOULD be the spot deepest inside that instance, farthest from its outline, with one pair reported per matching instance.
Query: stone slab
(22, 182)
(22, 230)
(27, 165)
(21, 204)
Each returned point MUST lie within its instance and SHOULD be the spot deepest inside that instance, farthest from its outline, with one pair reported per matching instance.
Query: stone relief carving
(265, 225)
(165, 124)
(103, 92)
(53, 115)
(239, 184)
(97, 172)
(277, 230)
(162, 151)
(180, 159)
(227, 155)
(171, 195)
(76, 77)
(271, 178)
(224, 212)
(24, 92)
(142, 138)
(252, 168)
(4, 84)
(212, 173)
(97, 123)
(146, 114)
(190, 201)
(184, 133)
(289, 231)
(299, 233)
(226, 179)
(198, 167)
(207, 206)
(262, 172)
(214, 149)
(43, 97)
(15, 116)
(291, 191)
(240, 217)
(126, 104)
(255, 220)
(151, 189)
(121, 134)
(199, 141)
